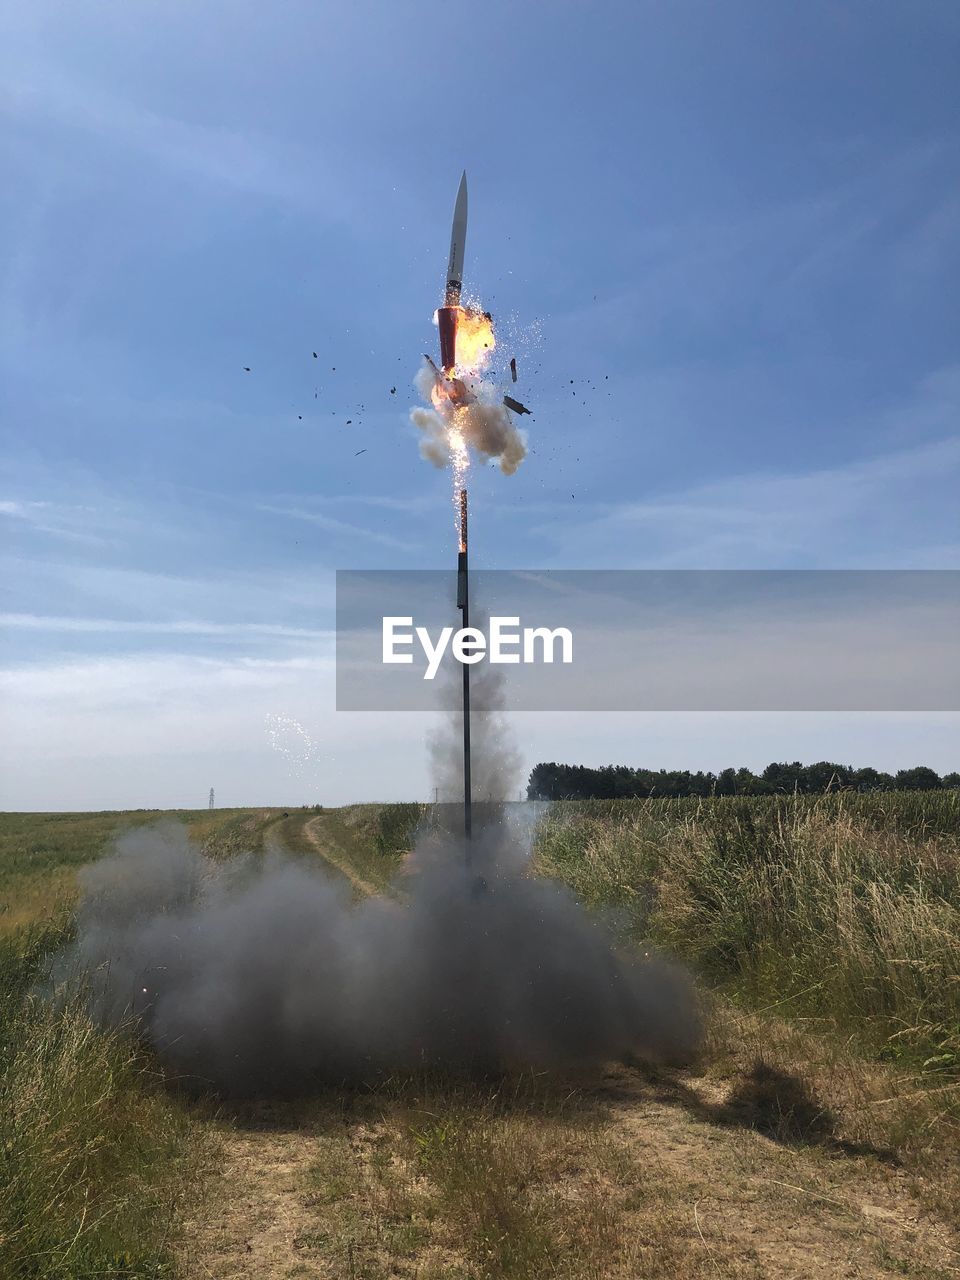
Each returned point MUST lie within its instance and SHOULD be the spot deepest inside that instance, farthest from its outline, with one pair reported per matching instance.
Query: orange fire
(475, 340)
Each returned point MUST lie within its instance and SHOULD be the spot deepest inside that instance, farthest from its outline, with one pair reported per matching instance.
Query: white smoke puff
(486, 425)
(490, 429)
(435, 445)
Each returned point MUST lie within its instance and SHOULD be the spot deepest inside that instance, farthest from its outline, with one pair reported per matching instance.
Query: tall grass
(96, 1154)
(843, 908)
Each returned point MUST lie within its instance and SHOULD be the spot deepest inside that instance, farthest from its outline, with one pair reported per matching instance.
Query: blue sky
(722, 241)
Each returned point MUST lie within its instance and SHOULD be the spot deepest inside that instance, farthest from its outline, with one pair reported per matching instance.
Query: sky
(721, 240)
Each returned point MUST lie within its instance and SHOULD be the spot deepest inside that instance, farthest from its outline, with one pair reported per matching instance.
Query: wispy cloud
(121, 626)
(846, 516)
(334, 525)
(248, 161)
(71, 522)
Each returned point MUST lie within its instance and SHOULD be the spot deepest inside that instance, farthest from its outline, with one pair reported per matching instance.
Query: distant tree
(951, 780)
(871, 780)
(552, 781)
(747, 783)
(727, 782)
(815, 779)
(919, 779)
(783, 777)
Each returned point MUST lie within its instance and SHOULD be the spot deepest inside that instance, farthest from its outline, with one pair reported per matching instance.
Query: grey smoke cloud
(265, 975)
(495, 760)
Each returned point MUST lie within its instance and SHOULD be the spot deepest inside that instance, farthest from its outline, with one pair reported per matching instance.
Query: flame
(452, 392)
(475, 340)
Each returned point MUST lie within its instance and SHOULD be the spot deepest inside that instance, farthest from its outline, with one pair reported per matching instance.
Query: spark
(289, 738)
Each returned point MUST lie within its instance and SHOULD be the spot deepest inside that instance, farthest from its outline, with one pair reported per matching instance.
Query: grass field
(819, 1135)
(98, 1155)
(842, 908)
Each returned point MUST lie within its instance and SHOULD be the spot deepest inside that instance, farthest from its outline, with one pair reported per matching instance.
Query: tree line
(619, 782)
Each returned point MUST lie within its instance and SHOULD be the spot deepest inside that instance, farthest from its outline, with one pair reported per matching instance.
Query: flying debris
(515, 405)
(513, 369)
(358, 453)
(246, 368)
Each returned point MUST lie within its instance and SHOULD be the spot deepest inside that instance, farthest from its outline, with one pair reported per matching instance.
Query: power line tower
(211, 805)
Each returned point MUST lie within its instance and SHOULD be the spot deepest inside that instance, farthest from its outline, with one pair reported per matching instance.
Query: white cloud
(134, 731)
(120, 626)
(75, 523)
(332, 525)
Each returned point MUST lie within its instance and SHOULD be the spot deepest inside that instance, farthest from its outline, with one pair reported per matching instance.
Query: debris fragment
(393, 391)
(515, 405)
(246, 368)
(314, 355)
(358, 453)
(513, 368)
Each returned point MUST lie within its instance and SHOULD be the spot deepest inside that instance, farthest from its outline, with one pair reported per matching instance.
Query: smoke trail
(495, 761)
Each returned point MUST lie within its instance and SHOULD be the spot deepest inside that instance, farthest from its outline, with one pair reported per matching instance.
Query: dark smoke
(267, 976)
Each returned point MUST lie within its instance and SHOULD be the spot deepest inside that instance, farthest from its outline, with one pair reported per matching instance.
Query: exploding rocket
(448, 315)
(451, 388)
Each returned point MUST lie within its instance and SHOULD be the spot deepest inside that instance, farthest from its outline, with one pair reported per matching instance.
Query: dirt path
(322, 835)
(754, 1206)
(254, 1210)
(684, 1183)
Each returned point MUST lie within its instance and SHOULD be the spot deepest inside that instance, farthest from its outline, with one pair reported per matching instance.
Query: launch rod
(463, 604)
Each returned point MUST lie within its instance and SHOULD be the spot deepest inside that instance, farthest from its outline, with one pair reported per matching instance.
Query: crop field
(817, 1135)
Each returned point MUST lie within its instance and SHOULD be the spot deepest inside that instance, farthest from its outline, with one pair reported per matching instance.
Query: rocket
(449, 313)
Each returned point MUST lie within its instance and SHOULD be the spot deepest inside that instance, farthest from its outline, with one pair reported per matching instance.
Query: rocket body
(449, 313)
(458, 245)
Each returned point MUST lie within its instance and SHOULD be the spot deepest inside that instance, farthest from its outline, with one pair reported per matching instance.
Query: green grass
(375, 837)
(41, 852)
(95, 1155)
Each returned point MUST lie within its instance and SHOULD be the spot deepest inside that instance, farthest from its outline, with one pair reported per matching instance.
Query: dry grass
(808, 905)
(833, 944)
(738, 1173)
